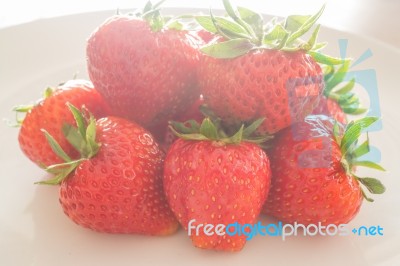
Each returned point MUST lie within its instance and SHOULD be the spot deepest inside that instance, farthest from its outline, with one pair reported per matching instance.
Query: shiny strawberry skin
(120, 189)
(283, 87)
(309, 184)
(206, 36)
(146, 76)
(51, 114)
(213, 184)
(331, 108)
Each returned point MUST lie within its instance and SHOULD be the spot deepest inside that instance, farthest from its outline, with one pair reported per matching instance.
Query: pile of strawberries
(211, 118)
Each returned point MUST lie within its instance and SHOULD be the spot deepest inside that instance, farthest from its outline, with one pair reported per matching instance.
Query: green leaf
(306, 26)
(237, 137)
(254, 19)
(61, 172)
(319, 46)
(206, 23)
(311, 42)
(232, 29)
(278, 32)
(48, 92)
(182, 128)
(368, 164)
(147, 7)
(260, 140)
(79, 119)
(336, 133)
(194, 136)
(294, 22)
(174, 25)
(208, 129)
(346, 88)
(373, 185)
(354, 110)
(252, 127)
(153, 16)
(23, 108)
(326, 59)
(211, 130)
(230, 10)
(328, 72)
(229, 49)
(58, 178)
(92, 146)
(338, 77)
(362, 149)
(366, 197)
(56, 147)
(353, 132)
(74, 137)
(234, 14)
(282, 44)
(157, 22)
(348, 99)
(83, 139)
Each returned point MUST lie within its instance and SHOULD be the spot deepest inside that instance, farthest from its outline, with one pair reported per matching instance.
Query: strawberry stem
(151, 14)
(82, 138)
(210, 130)
(21, 110)
(244, 31)
(351, 152)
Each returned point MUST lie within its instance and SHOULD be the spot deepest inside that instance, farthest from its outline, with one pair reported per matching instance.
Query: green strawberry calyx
(244, 30)
(211, 130)
(151, 13)
(21, 110)
(343, 95)
(82, 137)
(352, 153)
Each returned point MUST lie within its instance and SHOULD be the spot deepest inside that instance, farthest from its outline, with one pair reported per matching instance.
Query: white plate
(34, 230)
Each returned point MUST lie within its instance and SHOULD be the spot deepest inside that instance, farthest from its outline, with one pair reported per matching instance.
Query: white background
(378, 19)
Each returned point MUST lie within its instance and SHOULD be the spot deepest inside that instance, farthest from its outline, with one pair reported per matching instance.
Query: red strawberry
(313, 165)
(51, 113)
(145, 70)
(117, 185)
(254, 73)
(331, 108)
(216, 181)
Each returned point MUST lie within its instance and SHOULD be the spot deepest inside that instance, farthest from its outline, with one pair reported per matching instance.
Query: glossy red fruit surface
(216, 184)
(146, 76)
(309, 183)
(51, 114)
(280, 86)
(120, 189)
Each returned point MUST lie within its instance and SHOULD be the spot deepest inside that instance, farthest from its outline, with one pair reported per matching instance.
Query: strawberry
(313, 166)
(338, 101)
(252, 72)
(211, 179)
(116, 186)
(145, 69)
(331, 108)
(51, 113)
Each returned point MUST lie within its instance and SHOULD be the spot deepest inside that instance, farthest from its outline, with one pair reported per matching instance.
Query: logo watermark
(365, 80)
(281, 230)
